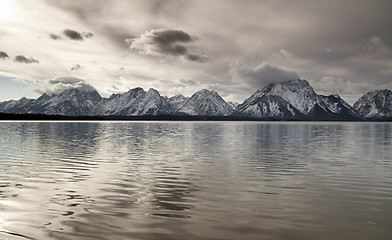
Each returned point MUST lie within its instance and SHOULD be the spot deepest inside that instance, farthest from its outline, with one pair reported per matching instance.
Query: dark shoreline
(42, 117)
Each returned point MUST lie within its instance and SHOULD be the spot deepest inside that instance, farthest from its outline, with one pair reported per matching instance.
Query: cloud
(378, 46)
(19, 80)
(54, 36)
(196, 58)
(164, 42)
(76, 67)
(87, 34)
(60, 84)
(330, 85)
(261, 75)
(72, 34)
(23, 59)
(3, 55)
(75, 35)
(304, 38)
(188, 82)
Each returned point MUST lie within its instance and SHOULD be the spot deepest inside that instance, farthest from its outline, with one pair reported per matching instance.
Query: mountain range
(294, 100)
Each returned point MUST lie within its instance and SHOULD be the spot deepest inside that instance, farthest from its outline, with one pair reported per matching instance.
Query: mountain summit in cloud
(295, 99)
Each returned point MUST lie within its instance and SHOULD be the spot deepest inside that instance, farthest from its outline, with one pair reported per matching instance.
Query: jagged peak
(153, 91)
(336, 96)
(204, 92)
(177, 96)
(132, 92)
(374, 94)
(43, 96)
(136, 89)
(381, 91)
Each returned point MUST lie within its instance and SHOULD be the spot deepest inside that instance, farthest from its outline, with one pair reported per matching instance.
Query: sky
(181, 46)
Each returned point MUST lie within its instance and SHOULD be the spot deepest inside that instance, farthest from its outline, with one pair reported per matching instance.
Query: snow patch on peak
(177, 101)
(295, 99)
(375, 104)
(297, 92)
(206, 103)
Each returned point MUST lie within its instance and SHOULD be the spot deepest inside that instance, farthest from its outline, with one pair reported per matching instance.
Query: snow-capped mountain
(71, 102)
(135, 102)
(15, 106)
(206, 103)
(177, 101)
(267, 106)
(375, 104)
(335, 108)
(295, 99)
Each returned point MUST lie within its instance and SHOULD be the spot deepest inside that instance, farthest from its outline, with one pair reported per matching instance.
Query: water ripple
(195, 180)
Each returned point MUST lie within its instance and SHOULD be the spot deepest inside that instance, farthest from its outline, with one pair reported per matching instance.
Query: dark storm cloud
(75, 35)
(54, 36)
(262, 75)
(72, 34)
(3, 55)
(23, 59)
(196, 58)
(164, 42)
(161, 41)
(324, 39)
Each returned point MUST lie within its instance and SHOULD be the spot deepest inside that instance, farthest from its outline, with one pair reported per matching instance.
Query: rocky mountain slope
(295, 99)
(375, 105)
(206, 103)
(135, 102)
(71, 102)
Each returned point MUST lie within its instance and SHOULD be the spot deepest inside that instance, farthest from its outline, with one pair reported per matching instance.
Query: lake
(195, 180)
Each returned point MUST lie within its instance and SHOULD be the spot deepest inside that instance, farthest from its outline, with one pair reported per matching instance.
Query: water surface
(195, 180)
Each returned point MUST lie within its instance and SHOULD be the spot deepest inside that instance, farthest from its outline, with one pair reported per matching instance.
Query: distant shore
(43, 117)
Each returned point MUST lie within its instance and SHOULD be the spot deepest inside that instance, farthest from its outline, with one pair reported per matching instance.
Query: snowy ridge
(135, 102)
(297, 92)
(177, 101)
(71, 102)
(267, 106)
(295, 99)
(206, 103)
(376, 104)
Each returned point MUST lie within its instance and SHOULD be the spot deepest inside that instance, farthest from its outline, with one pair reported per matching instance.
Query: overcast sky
(232, 46)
